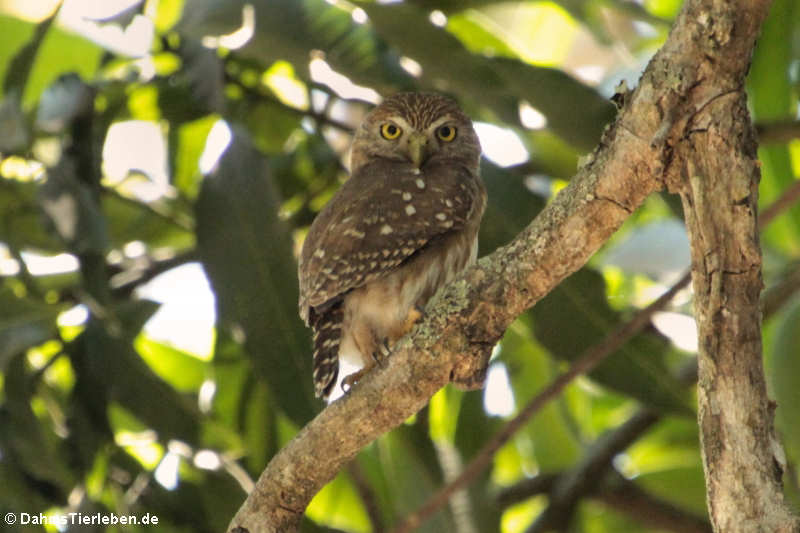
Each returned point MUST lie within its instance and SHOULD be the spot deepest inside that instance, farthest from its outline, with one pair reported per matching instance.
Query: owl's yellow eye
(446, 133)
(390, 131)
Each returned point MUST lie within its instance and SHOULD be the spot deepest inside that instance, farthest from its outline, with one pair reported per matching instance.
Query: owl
(403, 225)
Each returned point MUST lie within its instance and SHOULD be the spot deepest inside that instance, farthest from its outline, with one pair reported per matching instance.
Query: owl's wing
(377, 220)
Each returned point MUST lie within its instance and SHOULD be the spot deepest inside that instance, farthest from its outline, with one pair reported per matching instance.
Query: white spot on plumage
(352, 232)
(420, 183)
(410, 210)
(448, 203)
(441, 216)
(415, 171)
(407, 196)
(386, 229)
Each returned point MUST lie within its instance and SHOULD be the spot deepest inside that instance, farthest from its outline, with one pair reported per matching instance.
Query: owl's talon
(349, 381)
(355, 377)
(382, 353)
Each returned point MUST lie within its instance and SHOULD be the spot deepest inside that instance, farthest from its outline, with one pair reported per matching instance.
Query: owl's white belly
(378, 311)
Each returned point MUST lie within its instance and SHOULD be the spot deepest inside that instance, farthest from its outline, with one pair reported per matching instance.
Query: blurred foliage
(231, 143)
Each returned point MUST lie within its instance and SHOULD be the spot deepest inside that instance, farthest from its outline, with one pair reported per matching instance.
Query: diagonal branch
(778, 132)
(466, 318)
(627, 497)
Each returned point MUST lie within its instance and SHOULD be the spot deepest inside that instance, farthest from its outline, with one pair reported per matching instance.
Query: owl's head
(416, 129)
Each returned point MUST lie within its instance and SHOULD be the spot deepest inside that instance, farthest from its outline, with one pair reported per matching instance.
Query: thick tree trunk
(717, 175)
(743, 477)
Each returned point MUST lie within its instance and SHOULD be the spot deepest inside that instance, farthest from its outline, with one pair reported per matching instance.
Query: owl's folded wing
(376, 221)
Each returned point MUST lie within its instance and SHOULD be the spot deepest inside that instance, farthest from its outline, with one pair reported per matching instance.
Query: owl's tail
(327, 326)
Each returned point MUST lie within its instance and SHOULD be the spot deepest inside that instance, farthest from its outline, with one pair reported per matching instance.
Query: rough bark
(695, 78)
(717, 172)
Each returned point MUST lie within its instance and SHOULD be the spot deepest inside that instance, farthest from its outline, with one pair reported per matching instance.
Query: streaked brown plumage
(404, 224)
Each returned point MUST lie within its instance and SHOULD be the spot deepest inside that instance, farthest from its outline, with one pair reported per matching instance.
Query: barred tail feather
(327, 328)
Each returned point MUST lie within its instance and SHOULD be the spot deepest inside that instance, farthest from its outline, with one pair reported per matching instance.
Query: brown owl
(403, 225)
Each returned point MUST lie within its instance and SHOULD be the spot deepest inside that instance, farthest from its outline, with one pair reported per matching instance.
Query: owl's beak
(417, 148)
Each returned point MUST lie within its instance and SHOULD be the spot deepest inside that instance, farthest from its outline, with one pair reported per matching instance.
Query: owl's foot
(414, 314)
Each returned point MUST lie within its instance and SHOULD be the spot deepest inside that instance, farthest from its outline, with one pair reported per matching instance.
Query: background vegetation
(151, 356)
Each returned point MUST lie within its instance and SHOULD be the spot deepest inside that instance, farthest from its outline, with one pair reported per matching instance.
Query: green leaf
(180, 369)
(168, 14)
(411, 469)
(291, 30)
(190, 141)
(24, 438)
(511, 206)
(204, 501)
(772, 95)
(576, 316)
(338, 505)
(72, 210)
(58, 53)
(594, 517)
(203, 70)
(573, 110)
(681, 486)
(24, 323)
(109, 369)
(247, 253)
(555, 447)
(20, 67)
(22, 220)
(19, 491)
(269, 124)
(663, 8)
(129, 220)
(14, 125)
(17, 34)
(784, 372)
(443, 411)
(476, 38)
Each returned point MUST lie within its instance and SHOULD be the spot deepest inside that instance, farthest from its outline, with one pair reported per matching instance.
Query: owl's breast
(378, 311)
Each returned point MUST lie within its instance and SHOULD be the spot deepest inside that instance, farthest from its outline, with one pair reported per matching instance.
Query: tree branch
(368, 497)
(617, 492)
(778, 132)
(587, 476)
(627, 497)
(466, 318)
